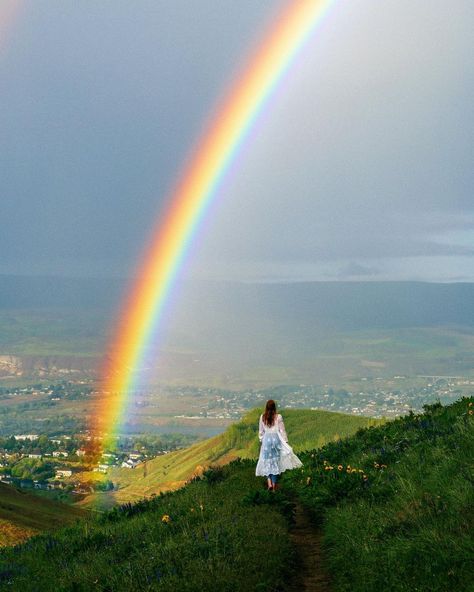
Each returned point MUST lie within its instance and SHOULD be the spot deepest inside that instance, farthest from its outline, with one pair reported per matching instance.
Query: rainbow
(196, 188)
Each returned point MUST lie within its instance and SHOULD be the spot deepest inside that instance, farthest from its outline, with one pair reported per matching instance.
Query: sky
(360, 167)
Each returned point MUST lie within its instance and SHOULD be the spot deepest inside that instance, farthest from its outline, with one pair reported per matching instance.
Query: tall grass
(401, 517)
(206, 536)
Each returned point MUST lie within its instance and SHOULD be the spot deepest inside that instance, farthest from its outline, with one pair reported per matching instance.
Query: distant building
(63, 473)
(23, 437)
(60, 453)
(129, 464)
(80, 452)
(35, 454)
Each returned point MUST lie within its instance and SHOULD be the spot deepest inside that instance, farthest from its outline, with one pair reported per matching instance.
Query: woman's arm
(261, 428)
(281, 428)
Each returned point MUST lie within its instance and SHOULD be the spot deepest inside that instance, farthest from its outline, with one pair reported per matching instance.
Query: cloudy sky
(360, 168)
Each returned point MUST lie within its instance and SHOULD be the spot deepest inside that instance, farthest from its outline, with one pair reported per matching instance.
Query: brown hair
(269, 413)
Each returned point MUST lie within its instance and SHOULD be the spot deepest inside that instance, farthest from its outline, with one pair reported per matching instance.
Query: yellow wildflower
(353, 470)
(376, 465)
(361, 470)
(165, 519)
(339, 467)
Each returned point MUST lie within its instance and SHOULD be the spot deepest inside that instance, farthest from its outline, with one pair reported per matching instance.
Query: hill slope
(306, 429)
(23, 514)
(406, 526)
(397, 502)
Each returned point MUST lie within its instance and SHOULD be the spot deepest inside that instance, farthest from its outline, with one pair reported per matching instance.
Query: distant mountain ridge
(324, 304)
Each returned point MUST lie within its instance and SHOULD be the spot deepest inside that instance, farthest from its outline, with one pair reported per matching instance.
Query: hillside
(403, 523)
(23, 514)
(306, 429)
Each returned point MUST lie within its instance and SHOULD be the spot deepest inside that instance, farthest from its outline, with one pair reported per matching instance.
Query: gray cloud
(363, 156)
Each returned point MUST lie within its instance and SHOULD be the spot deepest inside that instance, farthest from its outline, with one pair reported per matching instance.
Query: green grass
(216, 539)
(395, 503)
(306, 429)
(405, 522)
(23, 514)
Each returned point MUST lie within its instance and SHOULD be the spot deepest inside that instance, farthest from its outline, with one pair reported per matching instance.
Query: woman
(276, 455)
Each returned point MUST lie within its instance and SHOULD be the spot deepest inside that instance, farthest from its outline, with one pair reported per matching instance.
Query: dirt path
(312, 576)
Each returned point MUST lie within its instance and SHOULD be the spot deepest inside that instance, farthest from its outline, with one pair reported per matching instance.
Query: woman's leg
(270, 482)
(274, 481)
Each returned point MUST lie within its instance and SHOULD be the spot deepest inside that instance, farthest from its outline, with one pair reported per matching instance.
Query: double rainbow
(196, 188)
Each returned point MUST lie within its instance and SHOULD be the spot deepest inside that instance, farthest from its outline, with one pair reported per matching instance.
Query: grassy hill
(395, 503)
(306, 429)
(23, 514)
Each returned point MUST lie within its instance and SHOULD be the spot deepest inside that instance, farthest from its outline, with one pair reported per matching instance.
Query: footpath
(312, 575)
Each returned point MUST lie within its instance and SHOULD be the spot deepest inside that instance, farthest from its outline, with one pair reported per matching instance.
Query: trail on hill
(312, 575)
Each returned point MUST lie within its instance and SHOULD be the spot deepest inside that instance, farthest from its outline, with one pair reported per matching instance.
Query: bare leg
(269, 484)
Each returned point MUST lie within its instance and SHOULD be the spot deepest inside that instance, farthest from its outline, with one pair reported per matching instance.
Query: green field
(77, 340)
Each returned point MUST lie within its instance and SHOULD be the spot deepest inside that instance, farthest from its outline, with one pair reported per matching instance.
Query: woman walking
(276, 455)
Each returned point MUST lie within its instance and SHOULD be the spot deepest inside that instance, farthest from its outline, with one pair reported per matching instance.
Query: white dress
(276, 455)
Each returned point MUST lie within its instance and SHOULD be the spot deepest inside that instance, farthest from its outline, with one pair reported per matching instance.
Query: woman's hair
(269, 413)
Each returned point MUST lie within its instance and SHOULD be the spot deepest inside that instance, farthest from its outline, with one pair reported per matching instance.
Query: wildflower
(331, 467)
(348, 470)
(353, 470)
(364, 476)
(165, 518)
(192, 509)
(201, 507)
(471, 412)
(470, 404)
(339, 467)
(383, 466)
(376, 465)
(326, 468)
(361, 470)
(308, 481)
(348, 466)
(325, 462)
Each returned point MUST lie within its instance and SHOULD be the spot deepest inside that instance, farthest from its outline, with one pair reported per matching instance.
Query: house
(129, 464)
(35, 454)
(63, 473)
(135, 455)
(80, 452)
(23, 437)
(60, 453)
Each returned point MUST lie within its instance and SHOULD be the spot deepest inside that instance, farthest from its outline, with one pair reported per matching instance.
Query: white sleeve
(261, 428)
(281, 428)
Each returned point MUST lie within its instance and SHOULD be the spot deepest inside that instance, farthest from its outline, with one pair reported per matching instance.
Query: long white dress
(276, 455)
